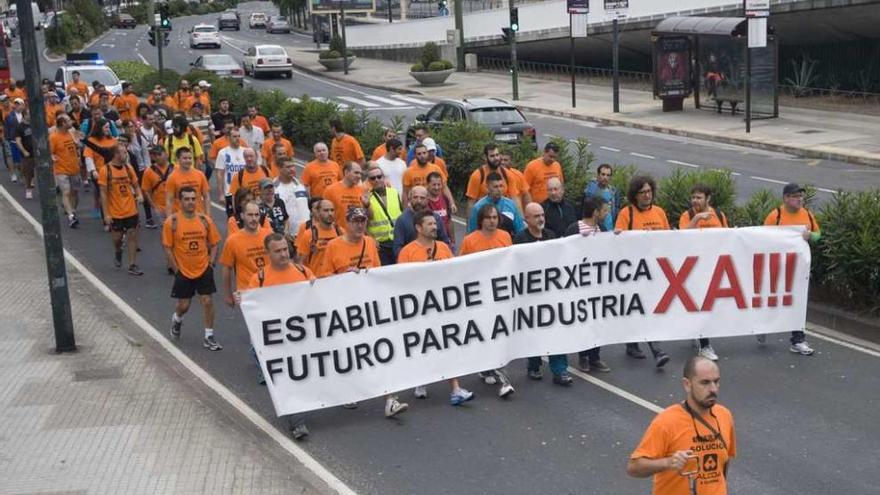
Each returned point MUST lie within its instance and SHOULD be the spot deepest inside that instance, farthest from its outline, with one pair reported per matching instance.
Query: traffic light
(514, 19)
(164, 18)
(152, 33)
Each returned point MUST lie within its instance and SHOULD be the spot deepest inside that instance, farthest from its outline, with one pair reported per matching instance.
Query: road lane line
(358, 101)
(387, 101)
(230, 45)
(829, 191)
(607, 148)
(640, 155)
(684, 164)
(410, 99)
(225, 393)
(143, 59)
(614, 389)
(842, 339)
(764, 179)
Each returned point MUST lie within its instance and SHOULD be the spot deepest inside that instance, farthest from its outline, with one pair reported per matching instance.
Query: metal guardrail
(830, 99)
(428, 9)
(596, 76)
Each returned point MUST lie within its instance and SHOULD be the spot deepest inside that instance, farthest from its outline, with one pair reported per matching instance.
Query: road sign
(579, 25)
(578, 6)
(757, 32)
(757, 8)
(616, 9)
(335, 6)
(157, 19)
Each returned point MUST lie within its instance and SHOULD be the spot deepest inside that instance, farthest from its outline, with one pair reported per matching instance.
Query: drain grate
(810, 131)
(97, 374)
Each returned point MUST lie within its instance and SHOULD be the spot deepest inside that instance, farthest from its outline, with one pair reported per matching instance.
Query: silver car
(278, 24)
(222, 65)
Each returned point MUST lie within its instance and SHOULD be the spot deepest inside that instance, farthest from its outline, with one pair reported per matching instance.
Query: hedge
(81, 22)
(846, 260)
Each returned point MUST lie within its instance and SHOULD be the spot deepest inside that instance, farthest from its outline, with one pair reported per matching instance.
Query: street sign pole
(756, 13)
(571, 49)
(59, 296)
(514, 68)
(615, 62)
(459, 27)
(344, 43)
(577, 9)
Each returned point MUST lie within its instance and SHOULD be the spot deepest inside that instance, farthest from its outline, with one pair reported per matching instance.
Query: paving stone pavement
(117, 416)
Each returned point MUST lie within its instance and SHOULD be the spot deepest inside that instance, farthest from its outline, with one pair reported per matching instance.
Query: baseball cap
(354, 213)
(266, 182)
(204, 84)
(19, 101)
(792, 188)
(169, 127)
(430, 144)
(156, 149)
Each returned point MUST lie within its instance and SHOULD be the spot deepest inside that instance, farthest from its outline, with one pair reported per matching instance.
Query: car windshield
(271, 50)
(205, 29)
(218, 60)
(497, 115)
(103, 76)
(228, 16)
(259, 16)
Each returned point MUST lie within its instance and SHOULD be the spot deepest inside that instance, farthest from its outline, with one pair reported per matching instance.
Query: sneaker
(421, 392)
(28, 194)
(299, 431)
(393, 407)
(634, 352)
(535, 374)
(72, 222)
(211, 343)
(505, 390)
(660, 359)
(801, 348)
(600, 366)
(709, 353)
(460, 396)
(135, 270)
(175, 328)
(762, 338)
(489, 377)
(14, 178)
(563, 379)
(150, 224)
(583, 363)
(350, 405)
(117, 259)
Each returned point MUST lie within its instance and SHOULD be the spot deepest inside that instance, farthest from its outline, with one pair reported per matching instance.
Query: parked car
(124, 21)
(228, 20)
(505, 120)
(257, 20)
(204, 35)
(278, 24)
(267, 59)
(221, 64)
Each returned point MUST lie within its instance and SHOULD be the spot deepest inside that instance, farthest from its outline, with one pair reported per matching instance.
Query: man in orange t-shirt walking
(690, 443)
(348, 193)
(320, 173)
(344, 148)
(643, 214)
(66, 166)
(190, 240)
(540, 170)
(120, 194)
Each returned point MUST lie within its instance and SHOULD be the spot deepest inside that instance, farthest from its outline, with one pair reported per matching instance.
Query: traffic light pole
(59, 296)
(160, 42)
(514, 67)
(459, 29)
(615, 62)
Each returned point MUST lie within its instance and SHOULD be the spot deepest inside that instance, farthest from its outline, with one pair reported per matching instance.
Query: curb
(330, 75)
(782, 148)
(844, 321)
(84, 48)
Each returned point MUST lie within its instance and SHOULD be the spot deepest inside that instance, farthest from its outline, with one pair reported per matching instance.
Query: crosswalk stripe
(410, 99)
(324, 99)
(387, 101)
(294, 99)
(358, 101)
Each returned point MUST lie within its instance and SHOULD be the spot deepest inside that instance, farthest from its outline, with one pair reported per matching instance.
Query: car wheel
(290, 75)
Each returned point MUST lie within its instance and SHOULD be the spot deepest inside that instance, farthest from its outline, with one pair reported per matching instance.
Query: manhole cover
(97, 374)
(809, 131)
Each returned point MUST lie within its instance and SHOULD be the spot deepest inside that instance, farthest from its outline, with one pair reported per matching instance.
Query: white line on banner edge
(286, 443)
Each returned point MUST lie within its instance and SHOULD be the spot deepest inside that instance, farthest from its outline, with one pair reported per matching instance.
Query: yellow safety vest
(381, 226)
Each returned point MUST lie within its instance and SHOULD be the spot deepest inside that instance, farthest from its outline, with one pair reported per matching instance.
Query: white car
(267, 59)
(204, 35)
(257, 20)
(91, 68)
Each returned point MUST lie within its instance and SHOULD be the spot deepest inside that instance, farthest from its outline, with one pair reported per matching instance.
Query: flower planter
(432, 78)
(334, 64)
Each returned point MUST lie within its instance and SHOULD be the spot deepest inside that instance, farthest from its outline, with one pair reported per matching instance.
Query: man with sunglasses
(690, 443)
(384, 211)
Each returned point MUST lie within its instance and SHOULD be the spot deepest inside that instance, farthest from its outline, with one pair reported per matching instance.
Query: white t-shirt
(229, 161)
(253, 139)
(393, 170)
(296, 199)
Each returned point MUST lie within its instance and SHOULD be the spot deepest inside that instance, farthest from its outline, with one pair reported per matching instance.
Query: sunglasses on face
(377, 177)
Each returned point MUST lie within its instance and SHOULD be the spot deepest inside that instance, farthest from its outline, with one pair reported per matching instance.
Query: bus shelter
(708, 57)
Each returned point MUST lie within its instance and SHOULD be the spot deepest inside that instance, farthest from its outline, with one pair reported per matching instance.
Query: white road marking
(410, 99)
(387, 101)
(330, 83)
(829, 191)
(614, 389)
(230, 45)
(324, 99)
(294, 99)
(143, 59)
(842, 339)
(358, 101)
(380, 109)
(684, 164)
(225, 393)
(607, 148)
(640, 155)
(764, 179)
(108, 45)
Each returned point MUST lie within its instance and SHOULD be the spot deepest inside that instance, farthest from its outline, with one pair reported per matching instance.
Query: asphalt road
(806, 425)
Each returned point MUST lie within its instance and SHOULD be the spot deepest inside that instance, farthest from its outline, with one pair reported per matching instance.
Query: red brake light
(259, 61)
(289, 61)
(529, 132)
(238, 72)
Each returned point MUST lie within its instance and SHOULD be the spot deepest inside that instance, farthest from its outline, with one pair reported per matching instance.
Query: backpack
(106, 153)
(691, 212)
(162, 177)
(201, 216)
(501, 169)
(809, 214)
(240, 175)
(313, 243)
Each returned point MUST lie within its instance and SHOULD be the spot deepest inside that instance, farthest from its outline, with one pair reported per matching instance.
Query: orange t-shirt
(341, 255)
(415, 252)
(476, 188)
(194, 178)
(312, 254)
(126, 105)
(803, 216)
(417, 175)
(120, 191)
(476, 241)
(269, 153)
(65, 155)
(537, 173)
(262, 123)
(521, 180)
(104, 142)
(318, 176)
(244, 252)
(346, 149)
(82, 88)
(249, 180)
(232, 226)
(674, 429)
(220, 143)
(654, 218)
(379, 152)
(51, 111)
(154, 186)
(290, 275)
(191, 100)
(190, 242)
(342, 198)
(715, 221)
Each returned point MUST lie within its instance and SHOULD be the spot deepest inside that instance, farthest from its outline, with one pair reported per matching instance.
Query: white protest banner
(355, 336)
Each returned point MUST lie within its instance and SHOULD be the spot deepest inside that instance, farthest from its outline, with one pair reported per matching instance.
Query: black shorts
(123, 224)
(186, 288)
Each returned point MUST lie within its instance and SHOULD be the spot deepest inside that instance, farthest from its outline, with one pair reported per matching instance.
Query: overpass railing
(641, 81)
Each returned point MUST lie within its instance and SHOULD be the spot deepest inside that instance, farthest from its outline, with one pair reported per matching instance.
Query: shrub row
(81, 22)
(178, 8)
(846, 262)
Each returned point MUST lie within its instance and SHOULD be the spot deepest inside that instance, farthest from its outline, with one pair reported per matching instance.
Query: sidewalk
(810, 133)
(120, 415)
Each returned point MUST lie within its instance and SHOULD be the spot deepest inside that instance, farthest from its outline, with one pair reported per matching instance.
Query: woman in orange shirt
(98, 151)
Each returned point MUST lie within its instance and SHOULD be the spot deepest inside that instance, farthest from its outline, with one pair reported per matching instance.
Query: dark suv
(502, 118)
(228, 20)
